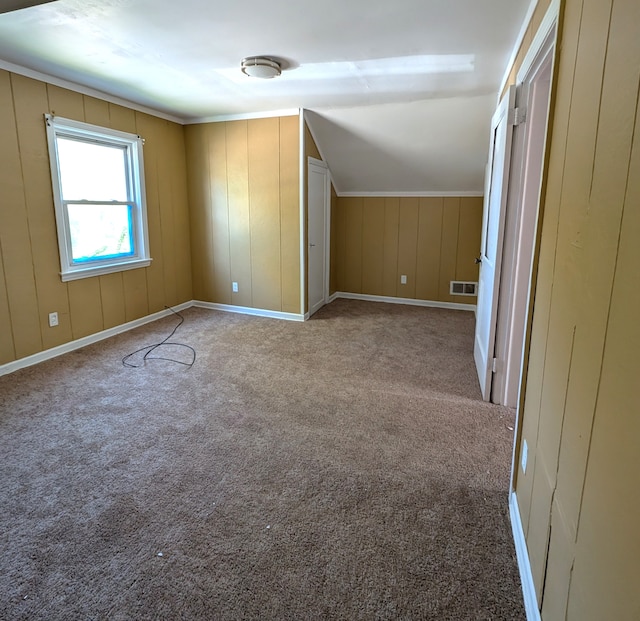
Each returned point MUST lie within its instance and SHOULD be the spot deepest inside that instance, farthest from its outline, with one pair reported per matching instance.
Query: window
(98, 191)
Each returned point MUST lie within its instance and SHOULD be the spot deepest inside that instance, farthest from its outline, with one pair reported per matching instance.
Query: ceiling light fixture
(260, 67)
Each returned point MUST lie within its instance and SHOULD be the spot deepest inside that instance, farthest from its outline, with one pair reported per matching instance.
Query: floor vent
(463, 288)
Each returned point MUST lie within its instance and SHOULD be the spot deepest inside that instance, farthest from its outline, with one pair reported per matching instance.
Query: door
(493, 217)
(318, 202)
(533, 96)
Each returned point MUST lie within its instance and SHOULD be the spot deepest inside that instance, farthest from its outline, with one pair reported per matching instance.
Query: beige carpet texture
(341, 468)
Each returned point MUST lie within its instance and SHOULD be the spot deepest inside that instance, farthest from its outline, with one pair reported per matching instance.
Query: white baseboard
(28, 361)
(409, 301)
(245, 310)
(526, 578)
(65, 348)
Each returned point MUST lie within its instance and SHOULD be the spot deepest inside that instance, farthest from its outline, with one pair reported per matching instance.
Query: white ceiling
(400, 93)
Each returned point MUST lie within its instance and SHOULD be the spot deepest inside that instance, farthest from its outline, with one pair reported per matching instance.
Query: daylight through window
(98, 187)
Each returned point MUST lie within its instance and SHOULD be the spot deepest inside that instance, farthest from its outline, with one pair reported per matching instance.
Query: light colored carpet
(344, 468)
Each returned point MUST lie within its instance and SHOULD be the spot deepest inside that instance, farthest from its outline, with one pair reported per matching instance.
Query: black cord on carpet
(151, 348)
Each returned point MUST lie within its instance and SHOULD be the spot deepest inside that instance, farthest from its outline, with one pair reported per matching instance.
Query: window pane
(92, 172)
(100, 231)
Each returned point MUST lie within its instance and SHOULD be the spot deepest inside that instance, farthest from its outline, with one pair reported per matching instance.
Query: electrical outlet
(234, 287)
(53, 319)
(403, 279)
(524, 456)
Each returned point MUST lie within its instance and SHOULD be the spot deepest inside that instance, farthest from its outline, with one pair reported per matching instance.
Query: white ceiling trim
(518, 43)
(219, 118)
(85, 90)
(411, 194)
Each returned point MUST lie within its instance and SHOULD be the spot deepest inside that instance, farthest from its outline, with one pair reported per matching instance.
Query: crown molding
(85, 90)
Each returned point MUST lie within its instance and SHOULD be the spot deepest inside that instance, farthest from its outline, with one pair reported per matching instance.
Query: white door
(495, 201)
(319, 201)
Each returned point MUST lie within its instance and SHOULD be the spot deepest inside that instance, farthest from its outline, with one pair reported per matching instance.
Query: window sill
(101, 270)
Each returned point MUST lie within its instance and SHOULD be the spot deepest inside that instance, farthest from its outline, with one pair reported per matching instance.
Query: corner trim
(86, 90)
(65, 348)
(407, 301)
(241, 116)
(524, 566)
(549, 22)
(245, 310)
(516, 48)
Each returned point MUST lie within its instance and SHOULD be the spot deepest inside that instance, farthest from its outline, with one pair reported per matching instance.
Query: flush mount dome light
(260, 67)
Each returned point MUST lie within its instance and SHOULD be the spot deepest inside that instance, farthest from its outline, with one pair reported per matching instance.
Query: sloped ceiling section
(401, 92)
(437, 146)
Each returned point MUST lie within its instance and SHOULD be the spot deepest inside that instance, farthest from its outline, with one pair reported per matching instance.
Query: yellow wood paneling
(245, 212)
(181, 213)
(449, 245)
(468, 242)
(429, 248)
(311, 148)
(96, 111)
(353, 216)
(14, 227)
(580, 409)
(341, 245)
(219, 217)
(601, 229)
(264, 204)
(607, 550)
(569, 254)
(546, 256)
(239, 221)
(197, 152)
(85, 307)
(123, 119)
(372, 245)
(165, 164)
(31, 284)
(333, 280)
(160, 278)
(377, 240)
(112, 300)
(290, 213)
(36, 176)
(65, 103)
(136, 302)
(7, 350)
(408, 246)
(390, 278)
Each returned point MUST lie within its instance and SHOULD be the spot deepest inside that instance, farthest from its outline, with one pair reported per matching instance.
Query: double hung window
(98, 190)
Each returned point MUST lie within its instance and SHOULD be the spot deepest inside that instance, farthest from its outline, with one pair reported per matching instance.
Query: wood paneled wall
(244, 179)
(430, 240)
(579, 498)
(30, 285)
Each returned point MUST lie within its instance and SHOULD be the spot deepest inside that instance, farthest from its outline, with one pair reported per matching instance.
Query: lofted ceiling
(399, 94)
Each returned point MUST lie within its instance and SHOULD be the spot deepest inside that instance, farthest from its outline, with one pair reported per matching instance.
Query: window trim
(58, 126)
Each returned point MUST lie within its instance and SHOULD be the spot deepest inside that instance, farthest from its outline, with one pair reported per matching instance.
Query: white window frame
(132, 144)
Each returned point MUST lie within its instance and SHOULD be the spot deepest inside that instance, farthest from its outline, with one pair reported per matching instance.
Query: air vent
(459, 287)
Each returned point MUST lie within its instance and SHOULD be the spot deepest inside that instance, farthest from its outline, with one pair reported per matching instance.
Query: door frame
(490, 259)
(525, 184)
(543, 44)
(326, 262)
